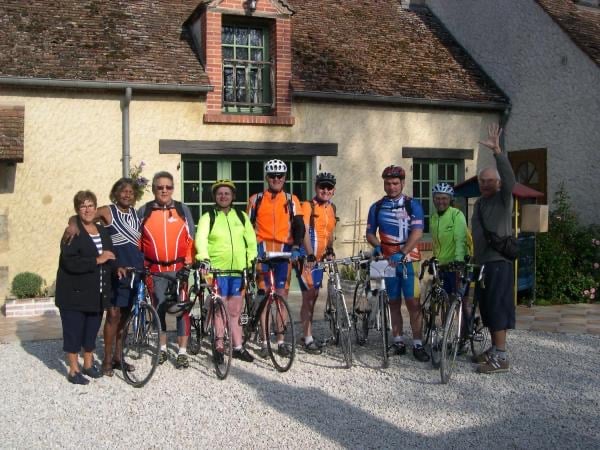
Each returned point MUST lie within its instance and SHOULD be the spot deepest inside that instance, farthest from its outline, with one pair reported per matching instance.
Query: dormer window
(247, 69)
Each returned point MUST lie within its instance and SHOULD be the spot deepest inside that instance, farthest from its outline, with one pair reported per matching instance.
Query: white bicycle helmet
(275, 166)
(443, 188)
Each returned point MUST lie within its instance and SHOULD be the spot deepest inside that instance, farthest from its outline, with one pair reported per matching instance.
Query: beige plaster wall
(73, 142)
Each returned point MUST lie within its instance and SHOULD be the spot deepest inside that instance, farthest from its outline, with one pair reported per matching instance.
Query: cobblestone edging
(30, 307)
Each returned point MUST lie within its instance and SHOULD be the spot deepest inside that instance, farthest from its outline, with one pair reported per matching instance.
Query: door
(530, 169)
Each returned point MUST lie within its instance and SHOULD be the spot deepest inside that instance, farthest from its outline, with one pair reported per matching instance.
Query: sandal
(107, 371)
(123, 365)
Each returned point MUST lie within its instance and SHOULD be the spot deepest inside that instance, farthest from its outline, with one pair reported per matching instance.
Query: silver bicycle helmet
(275, 166)
(443, 188)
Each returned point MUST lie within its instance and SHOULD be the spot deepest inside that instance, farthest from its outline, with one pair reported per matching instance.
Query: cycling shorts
(398, 286)
(308, 279)
(229, 286)
(282, 270)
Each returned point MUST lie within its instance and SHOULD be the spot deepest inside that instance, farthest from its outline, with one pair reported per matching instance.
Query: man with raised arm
(492, 214)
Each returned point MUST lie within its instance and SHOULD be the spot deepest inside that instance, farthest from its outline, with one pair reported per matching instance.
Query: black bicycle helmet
(325, 177)
(393, 172)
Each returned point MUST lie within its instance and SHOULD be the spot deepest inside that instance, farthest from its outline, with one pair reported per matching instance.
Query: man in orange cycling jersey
(277, 219)
(167, 242)
(320, 221)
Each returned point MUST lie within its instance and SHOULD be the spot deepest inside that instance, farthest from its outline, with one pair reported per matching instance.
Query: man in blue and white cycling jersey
(398, 221)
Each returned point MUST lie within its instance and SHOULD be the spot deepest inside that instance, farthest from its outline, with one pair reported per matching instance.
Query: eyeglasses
(326, 187)
(163, 188)
(275, 175)
(87, 206)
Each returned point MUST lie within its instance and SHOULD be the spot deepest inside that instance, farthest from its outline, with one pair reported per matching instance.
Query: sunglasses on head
(163, 188)
(328, 187)
(276, 175)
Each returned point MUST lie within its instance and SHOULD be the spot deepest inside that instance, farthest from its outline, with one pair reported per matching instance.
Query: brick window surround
(279, 16)
(12, 130)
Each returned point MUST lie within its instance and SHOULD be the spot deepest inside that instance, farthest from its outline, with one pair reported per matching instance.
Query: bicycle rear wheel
(343, 327)
(438, 316)
(197, 321)
(141, 345)
(450, 341)
(281, 340)
(385, 326)
(331, 314)
(426, 323)
(360, 318)
(479, 336)
(220, 338)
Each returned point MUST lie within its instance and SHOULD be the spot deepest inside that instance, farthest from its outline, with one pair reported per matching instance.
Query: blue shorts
(229, 286)
(122, 295)
(309, 279)
(398, 287)
(282, 270)
(450, 282)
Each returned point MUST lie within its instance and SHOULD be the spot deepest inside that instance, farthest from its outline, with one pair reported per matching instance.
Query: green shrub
(27, 284)
(567, 256)
(348, 273)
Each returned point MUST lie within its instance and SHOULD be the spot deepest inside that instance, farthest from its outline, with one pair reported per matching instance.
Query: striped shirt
(98, 242)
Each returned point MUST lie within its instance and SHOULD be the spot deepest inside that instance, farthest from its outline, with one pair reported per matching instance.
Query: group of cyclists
(162, 236)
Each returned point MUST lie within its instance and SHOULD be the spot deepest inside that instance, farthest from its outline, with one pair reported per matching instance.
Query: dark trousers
(80, 330)
(496, 299)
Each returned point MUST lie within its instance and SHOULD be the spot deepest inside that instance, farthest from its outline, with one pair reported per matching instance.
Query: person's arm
(201, 240)
(460, 236)
(507, 176)
(250, 237)
(372, 228)
(417, 220)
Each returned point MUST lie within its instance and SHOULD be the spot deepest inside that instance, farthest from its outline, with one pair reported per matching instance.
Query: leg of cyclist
(411, 292)
(393, 288)
(232, 296)
(157, 287)
(310, 292)
(111, 323)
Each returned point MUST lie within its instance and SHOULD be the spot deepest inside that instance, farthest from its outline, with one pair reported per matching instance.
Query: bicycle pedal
(243, 319)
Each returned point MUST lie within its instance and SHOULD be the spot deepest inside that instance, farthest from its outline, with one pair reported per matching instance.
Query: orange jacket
(273, 222)
(324, 225)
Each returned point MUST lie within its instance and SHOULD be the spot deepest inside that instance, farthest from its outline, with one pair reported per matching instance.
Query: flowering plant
(140, 183)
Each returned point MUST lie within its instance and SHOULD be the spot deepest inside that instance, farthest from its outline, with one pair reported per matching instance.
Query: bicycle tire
(437, 320)
(221, 358)
(331, 314)
(197, 319)
(384, 318)
(426, 323)
(450, 341)
(360, 320)
(479, 336)
(343, 327)
(281, 340)
(141, 345)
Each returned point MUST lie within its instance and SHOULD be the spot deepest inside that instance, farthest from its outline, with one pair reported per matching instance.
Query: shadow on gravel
(48, 352)
(309, 406)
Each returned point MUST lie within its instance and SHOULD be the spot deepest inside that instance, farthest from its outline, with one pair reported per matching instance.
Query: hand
(397, 258)
(71, 231)
(493, 140)
(121, 272)
(204, 266)
(377, 251)
(329, 253)
(105, 256)
(183, 274)
(310, 262)
(296, 254)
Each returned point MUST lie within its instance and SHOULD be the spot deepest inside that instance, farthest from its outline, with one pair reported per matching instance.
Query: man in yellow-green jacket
(225, 239)
(449, 232)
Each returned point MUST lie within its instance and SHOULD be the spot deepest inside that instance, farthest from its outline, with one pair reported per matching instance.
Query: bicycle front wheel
(141, 346)
(479, 336)
(343, 328)
(360, 317)
(384, 315)
(220, 333)
(331, 313)
(450, 341)
(281, 340)
(197, 320)
(436, 331)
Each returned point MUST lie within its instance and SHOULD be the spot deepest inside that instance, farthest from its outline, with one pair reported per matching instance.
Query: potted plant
(32, 297)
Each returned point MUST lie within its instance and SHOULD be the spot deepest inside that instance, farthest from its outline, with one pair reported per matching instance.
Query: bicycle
(434, 310)
(379, 316)
(210, 318)
(455, 334)
(361, 309)
(336, 311)
(141, 336)
(269, 318)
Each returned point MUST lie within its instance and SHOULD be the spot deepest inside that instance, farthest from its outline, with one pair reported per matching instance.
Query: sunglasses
(275, 175)
(326, 187)
(163, 188)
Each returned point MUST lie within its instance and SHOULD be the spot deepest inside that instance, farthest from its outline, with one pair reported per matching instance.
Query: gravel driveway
(550, 399)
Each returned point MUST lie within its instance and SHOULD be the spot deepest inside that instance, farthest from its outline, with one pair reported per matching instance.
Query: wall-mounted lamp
(251, 5)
